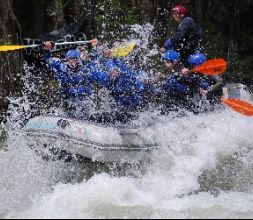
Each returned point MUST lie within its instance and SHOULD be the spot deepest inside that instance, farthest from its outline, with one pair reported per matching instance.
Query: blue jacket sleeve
(168, 44)
(54, 63)
(109, 65)
(46, 55)
(60, 69)
(204, 85)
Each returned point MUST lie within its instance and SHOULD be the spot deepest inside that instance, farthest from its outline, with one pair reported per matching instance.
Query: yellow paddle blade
(11, 47)
(124, 50)
(240, 106)
(212, 67)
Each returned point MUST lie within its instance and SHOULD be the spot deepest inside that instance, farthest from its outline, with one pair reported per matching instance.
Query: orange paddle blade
(212, 67)
(240, 106)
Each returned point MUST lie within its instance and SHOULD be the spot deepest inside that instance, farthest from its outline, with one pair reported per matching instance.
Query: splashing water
(171, 186)
(203, 169)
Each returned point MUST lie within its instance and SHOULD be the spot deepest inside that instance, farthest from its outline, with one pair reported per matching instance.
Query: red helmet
(180, 9)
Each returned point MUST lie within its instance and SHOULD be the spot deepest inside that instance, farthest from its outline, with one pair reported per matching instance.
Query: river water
(203, 169)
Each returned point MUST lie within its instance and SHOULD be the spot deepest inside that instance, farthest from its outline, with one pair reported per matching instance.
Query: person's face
(107, 53)
(72, 62)
(176, 17)
(169, 65)
(84, 55)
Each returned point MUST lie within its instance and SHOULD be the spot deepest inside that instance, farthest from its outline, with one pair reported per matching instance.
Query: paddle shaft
(60, 44)
(199, 71)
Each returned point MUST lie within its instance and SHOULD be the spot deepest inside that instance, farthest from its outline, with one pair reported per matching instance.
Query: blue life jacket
(132, 101)
(185, 84)
(173, 85)
(127, 91)
(100, 79)
(90, 67)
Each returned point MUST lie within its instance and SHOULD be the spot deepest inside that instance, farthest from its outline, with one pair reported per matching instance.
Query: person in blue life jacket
(144, 81)
(187, 38)
(121, 108)
(124, 86)
(75, 84)
(215, 90)
(94, 66)
(182, 89)
(89, 58)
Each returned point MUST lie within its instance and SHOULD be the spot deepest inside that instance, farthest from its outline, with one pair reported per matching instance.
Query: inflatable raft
(91, 140)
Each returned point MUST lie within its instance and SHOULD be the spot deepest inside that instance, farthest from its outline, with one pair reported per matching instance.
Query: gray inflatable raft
(91, 140)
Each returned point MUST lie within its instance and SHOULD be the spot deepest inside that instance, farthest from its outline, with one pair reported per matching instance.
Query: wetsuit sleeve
(181, 31)
(204, 84)
(218, 84)
(46, 55)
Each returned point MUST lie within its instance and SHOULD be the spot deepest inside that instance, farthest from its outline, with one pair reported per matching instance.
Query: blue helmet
(73, 54)
(197, 59)
(171, 55)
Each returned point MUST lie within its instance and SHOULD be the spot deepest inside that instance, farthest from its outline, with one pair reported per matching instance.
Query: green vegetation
(113, 19)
